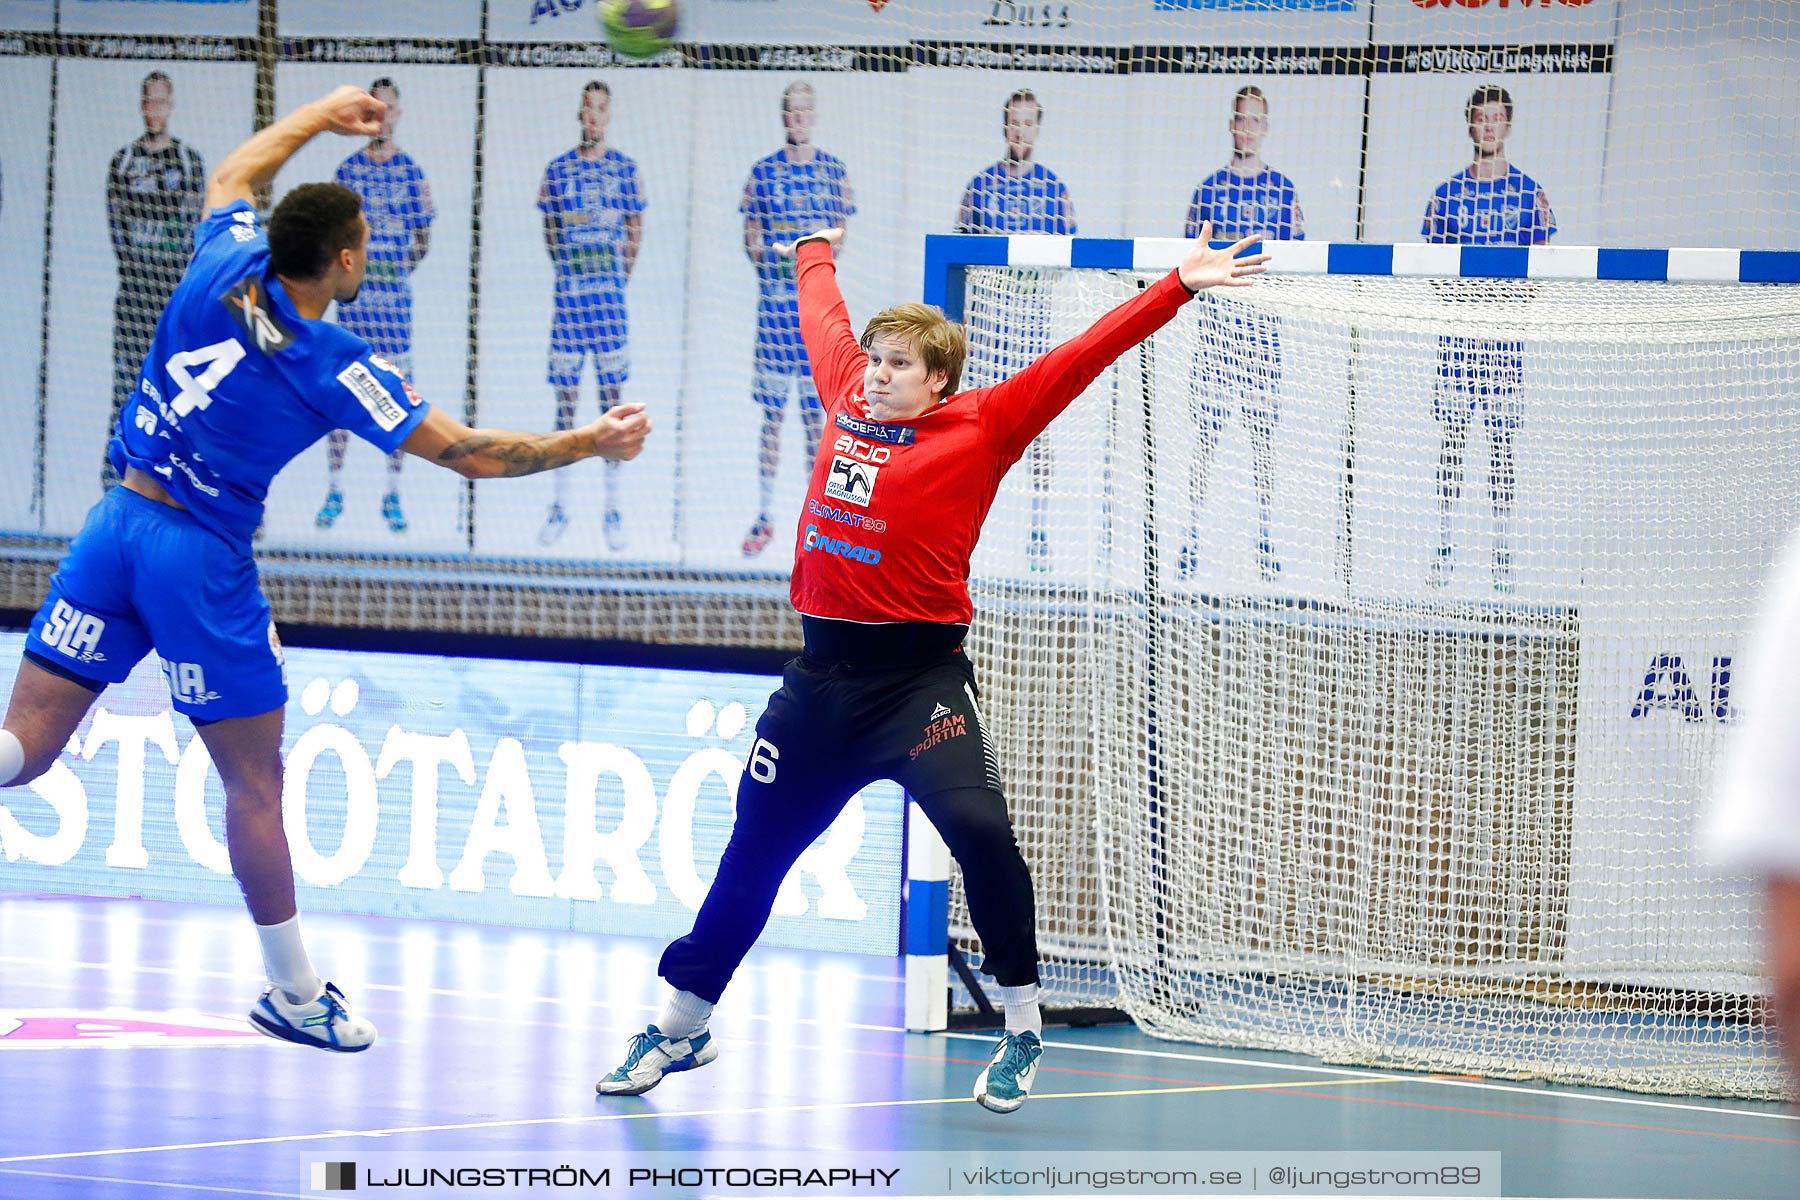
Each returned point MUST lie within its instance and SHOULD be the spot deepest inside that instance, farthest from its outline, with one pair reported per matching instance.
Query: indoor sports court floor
(492, 1039)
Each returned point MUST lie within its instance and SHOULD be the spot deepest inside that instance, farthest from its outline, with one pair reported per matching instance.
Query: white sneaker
(1005, 1082)
(652, 1055)
(556, 523)
(323, 1022)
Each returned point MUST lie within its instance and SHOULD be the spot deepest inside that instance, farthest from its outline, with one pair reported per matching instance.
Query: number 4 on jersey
(196, 390)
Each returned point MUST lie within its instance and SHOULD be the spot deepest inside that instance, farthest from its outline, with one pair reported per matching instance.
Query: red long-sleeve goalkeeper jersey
(894, 509)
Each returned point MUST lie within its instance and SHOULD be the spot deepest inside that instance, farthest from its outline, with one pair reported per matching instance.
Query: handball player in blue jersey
(1238, 356)
(397, 205)
(593, 208)
(242, 376)
(795, 190)
(1017, 195)
(1489, 203)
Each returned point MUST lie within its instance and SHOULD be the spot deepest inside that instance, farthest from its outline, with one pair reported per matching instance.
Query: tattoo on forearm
(517, 453)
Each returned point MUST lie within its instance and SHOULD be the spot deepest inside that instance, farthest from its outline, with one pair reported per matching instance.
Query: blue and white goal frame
(948, 257)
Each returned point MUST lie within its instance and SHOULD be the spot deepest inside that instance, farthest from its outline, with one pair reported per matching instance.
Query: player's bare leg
(1206, 443)
(1037, 551)
(333, 508)
(40, 720)
(1502, 480)
(615, 524)
(556, 521)
(1261, 426)
(297, 1007)
(768, 458)
(1449, 491)
(390, 502)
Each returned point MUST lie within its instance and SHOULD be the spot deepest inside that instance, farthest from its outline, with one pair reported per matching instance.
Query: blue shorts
(1237, 358)
(142, 575)
(771, 390)
(583, 324)
(1479, 373)
(780, 350)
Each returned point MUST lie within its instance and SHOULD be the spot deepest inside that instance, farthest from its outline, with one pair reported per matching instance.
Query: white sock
(684, 1015)
(12, 757)
(284, 958)
(1022, 1012)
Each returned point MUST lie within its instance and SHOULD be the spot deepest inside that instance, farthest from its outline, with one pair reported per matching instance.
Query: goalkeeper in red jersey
(900, 487)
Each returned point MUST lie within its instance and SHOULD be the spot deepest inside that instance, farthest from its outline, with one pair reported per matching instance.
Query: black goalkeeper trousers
(827, 733)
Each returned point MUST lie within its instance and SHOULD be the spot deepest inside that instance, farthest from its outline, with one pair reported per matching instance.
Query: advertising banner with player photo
(1250, 432)
(417, 188)
(583, 300)
(1500, 160)
(1017, 152)
(779, 155)
(132, 159)
(24, 151)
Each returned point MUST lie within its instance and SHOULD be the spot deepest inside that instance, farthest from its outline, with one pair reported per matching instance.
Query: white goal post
(1366, 695)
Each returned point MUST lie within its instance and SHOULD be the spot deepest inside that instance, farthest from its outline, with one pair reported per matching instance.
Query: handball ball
(639, 28)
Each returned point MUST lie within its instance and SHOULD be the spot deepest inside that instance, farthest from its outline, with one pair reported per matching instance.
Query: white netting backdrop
(1381, 767)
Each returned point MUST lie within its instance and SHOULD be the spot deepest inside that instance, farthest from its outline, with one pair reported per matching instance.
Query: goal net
(1360, 649)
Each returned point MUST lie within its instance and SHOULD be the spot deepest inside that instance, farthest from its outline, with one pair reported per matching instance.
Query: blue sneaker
(653, 1055)
(1188, 560)
(324, 1022)
(1005, 1082)
(331, 510)
(1267, 565)
(390, 508)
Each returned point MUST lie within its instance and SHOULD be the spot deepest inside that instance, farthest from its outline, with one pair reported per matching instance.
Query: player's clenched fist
(620, 432)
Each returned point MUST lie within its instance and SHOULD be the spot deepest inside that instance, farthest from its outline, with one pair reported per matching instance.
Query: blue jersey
(1248, 343)
(1035, 202)
(238, 382)
(589, 201)
(1512, 210)
(789, 199)
(396, 204)
(1240, 205)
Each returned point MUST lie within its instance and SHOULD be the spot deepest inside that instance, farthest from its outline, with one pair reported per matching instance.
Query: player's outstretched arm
(832, 349)
(493, 453)
(348, 110)
(1016, 410)
(1205, 267)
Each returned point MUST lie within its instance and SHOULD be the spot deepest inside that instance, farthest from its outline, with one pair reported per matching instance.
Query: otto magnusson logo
(334, 1177)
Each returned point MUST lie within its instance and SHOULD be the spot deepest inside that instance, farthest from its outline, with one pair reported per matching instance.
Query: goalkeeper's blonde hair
(939, 342)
